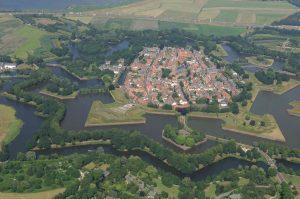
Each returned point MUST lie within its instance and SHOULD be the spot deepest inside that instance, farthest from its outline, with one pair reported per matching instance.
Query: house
(7, 66)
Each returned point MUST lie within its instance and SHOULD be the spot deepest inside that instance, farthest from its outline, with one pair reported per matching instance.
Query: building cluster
(117, 68)
(7, 66)
(177, 77)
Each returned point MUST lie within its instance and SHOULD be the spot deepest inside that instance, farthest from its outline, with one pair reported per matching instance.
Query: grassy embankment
(9, 125)
(38, 195)
(238, 123)
(296, 108)
(61, 97)
(265, 63)
(120, 112)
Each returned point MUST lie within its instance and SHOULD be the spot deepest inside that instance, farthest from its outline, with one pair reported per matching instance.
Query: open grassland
(18, 39)
(296, 108)
(214, 12)
(8, 26)
(38, 195)
(9, 125)
(32, 40)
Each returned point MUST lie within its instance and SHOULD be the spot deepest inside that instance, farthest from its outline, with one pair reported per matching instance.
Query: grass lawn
(210, 191)
(263, 64)
(32, 40)
(9, 125)
(296, 108)
(293, 179)
(119, 112)
(172, 191)
(243, 181)
(38, 195)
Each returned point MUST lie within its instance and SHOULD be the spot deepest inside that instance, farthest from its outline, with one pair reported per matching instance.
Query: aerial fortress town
(177, 77)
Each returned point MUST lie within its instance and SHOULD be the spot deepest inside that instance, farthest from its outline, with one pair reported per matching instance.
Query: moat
(155, 124)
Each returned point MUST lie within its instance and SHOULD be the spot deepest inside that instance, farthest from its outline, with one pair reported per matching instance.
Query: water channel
(77, 111)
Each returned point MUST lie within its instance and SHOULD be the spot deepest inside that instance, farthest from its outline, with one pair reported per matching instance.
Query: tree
(234, 107)
(286, 192)
(272, 171)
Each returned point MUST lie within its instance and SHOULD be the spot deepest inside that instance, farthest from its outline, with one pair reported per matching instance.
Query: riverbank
(10, 125)
(295, 111)
(60, 97)
(74, 144)
(138, 151)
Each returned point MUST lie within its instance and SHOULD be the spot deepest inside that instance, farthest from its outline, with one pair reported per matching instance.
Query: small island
(183, 137)
(61, 88)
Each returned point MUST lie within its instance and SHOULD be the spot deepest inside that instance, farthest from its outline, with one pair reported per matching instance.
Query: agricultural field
(144, 24)
(214, 12)
(32, 40)
(18, 39)
(8, 26)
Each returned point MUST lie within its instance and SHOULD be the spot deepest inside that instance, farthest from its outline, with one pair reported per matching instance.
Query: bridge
(272, 163)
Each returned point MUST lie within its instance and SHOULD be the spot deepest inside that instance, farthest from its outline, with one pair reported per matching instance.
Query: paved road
(271, 162)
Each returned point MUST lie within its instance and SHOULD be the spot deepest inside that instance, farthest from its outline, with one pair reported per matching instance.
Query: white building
(7, 66)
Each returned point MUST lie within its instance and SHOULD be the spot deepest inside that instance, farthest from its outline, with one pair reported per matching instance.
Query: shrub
(252, 123)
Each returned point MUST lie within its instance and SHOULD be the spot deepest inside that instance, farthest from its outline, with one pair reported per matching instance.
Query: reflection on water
(209, 171)
(31, 124)
(277, 105)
